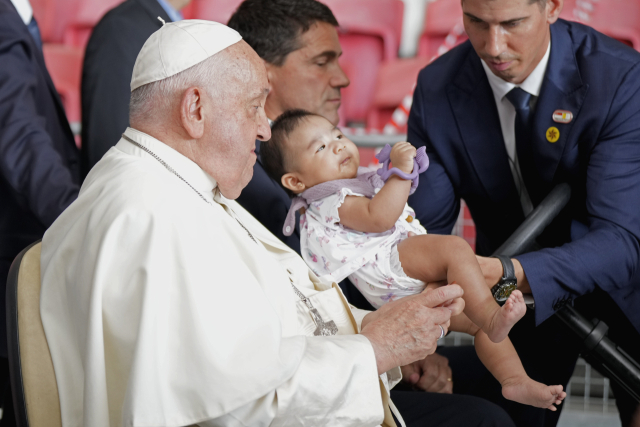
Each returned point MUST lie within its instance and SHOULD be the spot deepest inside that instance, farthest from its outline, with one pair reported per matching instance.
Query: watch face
(502, 290)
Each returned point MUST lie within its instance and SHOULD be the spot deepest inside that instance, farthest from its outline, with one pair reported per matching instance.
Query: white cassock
(161, 310)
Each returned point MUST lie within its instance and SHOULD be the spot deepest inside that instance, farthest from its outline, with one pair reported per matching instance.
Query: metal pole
(599, 350)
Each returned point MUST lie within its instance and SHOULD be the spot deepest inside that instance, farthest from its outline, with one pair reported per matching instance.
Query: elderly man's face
(237, 120)
(310, 77)
(511, 36)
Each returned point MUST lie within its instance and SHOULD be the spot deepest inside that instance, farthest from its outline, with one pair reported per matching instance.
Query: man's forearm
(493, 271)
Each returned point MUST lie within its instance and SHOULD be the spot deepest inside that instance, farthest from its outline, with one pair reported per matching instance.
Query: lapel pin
(553, 134)
(562, 116)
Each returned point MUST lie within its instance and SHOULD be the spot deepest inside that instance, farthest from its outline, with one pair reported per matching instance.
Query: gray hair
(147, 100)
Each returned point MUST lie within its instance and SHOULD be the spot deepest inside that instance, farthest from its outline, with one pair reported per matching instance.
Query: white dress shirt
(24, 10)
(507, 114)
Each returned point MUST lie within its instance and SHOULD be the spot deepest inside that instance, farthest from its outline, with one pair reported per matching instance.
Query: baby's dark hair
(272, 152)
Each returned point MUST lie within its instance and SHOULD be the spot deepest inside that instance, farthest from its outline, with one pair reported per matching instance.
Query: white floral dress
(369, 260)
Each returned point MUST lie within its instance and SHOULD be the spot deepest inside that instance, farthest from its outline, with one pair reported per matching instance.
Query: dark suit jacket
(39, 164)
(106, 75)
(265, 199)
(595, 240)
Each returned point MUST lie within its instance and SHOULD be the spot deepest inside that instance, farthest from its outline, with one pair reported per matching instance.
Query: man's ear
(293, 183)
(192, 112)
(270, 73)
(554, 7)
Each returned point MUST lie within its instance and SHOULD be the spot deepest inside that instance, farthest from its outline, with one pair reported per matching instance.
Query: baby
(357, 226)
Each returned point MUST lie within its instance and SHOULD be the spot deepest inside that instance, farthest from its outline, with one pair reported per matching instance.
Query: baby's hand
(402, 155)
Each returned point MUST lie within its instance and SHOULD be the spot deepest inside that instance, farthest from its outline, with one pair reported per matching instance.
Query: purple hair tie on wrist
(420, 164)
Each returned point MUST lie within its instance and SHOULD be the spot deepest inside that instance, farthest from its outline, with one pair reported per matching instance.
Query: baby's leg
(432, 257)
(503, 362)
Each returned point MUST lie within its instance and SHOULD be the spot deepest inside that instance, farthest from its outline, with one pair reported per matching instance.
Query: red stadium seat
(396, 79)
(53, 16)
(213, 10)
(619, 19)
(369, 34)
(79, 28)
(441, 17)
(382, 18)
(64, 64)
(361, 59)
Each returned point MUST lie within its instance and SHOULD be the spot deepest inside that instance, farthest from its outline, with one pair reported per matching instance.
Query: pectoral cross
(325, 329)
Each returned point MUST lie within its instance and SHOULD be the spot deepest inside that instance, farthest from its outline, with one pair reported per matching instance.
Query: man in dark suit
(108, 65)
(527, 103)
(303, 72)
(299, 43)
(39, 161)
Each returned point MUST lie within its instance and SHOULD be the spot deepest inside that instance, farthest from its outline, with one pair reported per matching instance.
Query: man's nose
(496, 41)
(339, 78)
(264, 130)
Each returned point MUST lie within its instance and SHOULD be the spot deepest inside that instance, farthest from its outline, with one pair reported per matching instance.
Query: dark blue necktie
(35, 32)
(521, 101)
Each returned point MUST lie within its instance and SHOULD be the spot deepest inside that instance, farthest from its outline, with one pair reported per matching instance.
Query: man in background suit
(108, 65)
(299, 43)
(39, 161)
(574, 117)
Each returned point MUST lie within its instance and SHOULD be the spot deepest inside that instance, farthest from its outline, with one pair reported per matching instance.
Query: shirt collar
(174, 15)
(186, 168)
(531, 84)
(24, 10)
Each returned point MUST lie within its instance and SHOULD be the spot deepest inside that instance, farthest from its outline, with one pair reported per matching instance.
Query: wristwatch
(508, 281)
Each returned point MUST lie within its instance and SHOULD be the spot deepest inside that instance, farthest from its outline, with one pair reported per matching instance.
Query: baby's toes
(517, 296)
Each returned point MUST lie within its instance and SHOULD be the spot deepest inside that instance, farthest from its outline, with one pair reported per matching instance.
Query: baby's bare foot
(504, 319)
(533, 393)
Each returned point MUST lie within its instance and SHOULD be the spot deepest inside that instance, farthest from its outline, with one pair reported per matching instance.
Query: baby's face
(319, 152)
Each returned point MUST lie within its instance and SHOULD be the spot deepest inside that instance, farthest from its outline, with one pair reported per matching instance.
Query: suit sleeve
(106, 76)
(435, 200)
(29, 163)
(608, 255)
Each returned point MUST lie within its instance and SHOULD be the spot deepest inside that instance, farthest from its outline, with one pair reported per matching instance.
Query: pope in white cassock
(164, 303)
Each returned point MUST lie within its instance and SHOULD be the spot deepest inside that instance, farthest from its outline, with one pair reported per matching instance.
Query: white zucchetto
(178, 46)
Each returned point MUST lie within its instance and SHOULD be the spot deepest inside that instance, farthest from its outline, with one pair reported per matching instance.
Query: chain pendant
(322, 328)
(325, 329)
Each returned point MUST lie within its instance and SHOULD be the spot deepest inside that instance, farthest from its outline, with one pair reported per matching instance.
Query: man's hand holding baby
(407, 330)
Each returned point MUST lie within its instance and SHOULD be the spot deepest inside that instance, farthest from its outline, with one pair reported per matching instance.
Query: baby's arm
(380, 213)
(502, 360)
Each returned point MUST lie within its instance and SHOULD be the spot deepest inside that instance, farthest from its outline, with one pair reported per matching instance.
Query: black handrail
(599, 350)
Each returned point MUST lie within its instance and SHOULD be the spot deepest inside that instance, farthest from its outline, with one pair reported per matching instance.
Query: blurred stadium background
(385, 44)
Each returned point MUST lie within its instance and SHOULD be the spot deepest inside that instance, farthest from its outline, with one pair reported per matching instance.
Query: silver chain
(173, 171)
(322, 327)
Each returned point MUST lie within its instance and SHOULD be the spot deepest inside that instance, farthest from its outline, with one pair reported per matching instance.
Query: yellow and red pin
(559, 116)
(562, 116)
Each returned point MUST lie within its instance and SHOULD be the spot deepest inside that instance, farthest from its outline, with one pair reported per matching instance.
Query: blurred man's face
(511, 36)
(236, 121)
(310, 77)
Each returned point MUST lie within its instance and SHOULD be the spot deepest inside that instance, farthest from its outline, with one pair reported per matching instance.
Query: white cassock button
(288, 229)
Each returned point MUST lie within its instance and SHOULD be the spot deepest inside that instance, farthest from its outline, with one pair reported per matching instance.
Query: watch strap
(508, 281)
(509, 271)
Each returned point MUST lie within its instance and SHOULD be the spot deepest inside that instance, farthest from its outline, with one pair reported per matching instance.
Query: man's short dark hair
(541, 3)
(272, 154)
(273, 27)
